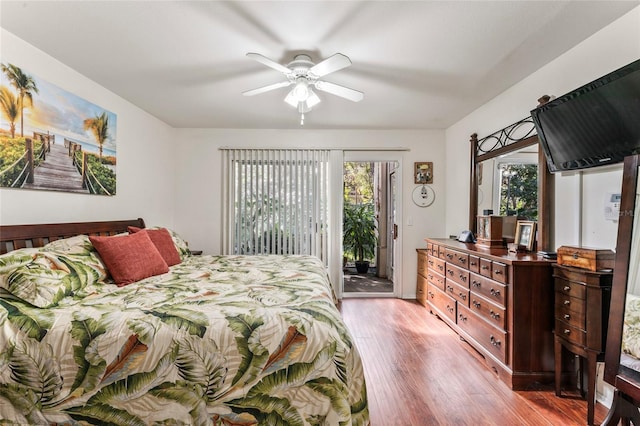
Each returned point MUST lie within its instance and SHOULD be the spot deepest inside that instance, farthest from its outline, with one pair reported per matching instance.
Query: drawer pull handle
(476, 283)
(449, 255)
(494, 342)
(450, 272)
(495, 293)
(494, 315)
(440, 267)
(485, 267)
(463, 277)
(476, 304)
(431, 295)
(567, 316)
(567, 302)
(566, 288)
(450, 289)
(462, 296)
(576, 255)
(449, 308)
(462, 260)
(497, 271)
(462, 318)
(567, 331)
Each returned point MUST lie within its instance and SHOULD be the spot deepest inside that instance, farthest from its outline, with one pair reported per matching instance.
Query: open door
(377, 194)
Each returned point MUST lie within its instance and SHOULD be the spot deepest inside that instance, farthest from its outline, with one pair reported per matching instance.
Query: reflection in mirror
(630, 350)
(508, 184)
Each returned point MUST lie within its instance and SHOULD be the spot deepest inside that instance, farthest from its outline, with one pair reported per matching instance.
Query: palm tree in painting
(99, 126)
(24, 84)
(10, 108)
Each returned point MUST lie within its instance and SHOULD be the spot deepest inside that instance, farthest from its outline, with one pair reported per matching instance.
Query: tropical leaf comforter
(219, 340)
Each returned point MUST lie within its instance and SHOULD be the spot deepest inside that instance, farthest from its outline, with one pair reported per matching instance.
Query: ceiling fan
(304, 75)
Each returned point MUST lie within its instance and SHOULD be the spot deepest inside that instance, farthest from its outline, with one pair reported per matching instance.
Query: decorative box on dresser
(501, 303)
(581, 315)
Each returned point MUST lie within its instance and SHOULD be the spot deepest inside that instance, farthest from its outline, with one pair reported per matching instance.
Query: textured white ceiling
(421, 64)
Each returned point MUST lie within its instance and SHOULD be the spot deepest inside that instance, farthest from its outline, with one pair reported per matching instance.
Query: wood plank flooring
(419, 373)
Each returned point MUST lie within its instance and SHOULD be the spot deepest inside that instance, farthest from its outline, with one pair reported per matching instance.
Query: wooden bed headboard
(13, 237)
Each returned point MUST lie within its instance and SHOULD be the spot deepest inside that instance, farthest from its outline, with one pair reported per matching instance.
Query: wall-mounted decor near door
(53, 140)
(423, 173)
(423, 196)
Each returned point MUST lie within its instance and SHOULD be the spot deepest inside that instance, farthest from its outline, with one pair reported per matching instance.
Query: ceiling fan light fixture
(313, 99)
(301, 89)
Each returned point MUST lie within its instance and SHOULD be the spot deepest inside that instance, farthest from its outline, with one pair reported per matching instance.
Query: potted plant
(359, 236)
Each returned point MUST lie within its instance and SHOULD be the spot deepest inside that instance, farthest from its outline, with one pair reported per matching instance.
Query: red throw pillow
(163, 242)
(129, 258)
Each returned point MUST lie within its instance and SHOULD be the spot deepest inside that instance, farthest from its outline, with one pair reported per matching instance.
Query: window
(276, 201)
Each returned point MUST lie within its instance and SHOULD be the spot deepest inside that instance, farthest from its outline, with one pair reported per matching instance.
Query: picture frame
(423, 172)
(525, 234)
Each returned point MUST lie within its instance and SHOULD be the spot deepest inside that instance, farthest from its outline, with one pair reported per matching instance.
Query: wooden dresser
(581, 316)
(501, 303)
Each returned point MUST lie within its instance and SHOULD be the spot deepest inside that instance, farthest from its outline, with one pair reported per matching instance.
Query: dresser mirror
(494, 161)
(507, 184)
(622, 357)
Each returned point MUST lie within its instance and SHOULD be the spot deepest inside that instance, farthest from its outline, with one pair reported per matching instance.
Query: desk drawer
(490, 337)
(442, 303)
(457, 274)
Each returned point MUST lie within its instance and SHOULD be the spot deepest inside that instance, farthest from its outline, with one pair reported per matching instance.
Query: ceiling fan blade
(329, 65)
(343, 92)
(266, 88)
(268, 62)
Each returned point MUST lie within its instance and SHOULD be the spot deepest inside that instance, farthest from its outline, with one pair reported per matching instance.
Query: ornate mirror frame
(500, 143)
(626, 380)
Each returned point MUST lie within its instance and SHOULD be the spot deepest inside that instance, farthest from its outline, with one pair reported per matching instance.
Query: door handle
(395, 231)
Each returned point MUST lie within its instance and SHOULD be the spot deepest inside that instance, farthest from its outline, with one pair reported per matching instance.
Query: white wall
(145, 170)
(578, 196)
(198, 203)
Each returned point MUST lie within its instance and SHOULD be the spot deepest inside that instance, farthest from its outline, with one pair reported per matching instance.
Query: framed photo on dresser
(525, 234)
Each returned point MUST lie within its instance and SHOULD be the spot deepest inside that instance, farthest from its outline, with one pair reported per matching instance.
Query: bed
(216, 340)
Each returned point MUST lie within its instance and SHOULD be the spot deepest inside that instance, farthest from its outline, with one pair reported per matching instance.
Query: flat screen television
(594, 125)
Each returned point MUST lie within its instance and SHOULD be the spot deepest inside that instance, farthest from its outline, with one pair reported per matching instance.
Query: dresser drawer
(572, 318)
(458, 292)
(457, 274)
(485, 267)
(490, 337)
(421, 290)
(569, 288)
(474, 264)
(436, 264)
(457, 258)
(567, 304)
(429, 248)
(422, 263)
(499, 272)
(571, 333)
(442, 303)
(490, 311)
(492, 290)
(442, 253)
(435, 279)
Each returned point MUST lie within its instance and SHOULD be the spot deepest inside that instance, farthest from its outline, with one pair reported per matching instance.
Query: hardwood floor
(419, 373)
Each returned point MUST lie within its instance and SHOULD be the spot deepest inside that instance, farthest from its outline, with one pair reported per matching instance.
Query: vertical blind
(276, 201)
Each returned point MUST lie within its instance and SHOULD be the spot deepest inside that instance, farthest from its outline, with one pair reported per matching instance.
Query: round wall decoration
(423, 195)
